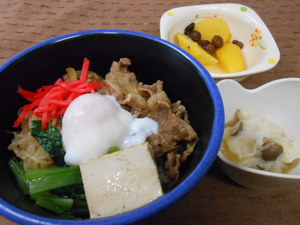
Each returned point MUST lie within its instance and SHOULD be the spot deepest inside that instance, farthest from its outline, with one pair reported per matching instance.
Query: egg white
(93, 123)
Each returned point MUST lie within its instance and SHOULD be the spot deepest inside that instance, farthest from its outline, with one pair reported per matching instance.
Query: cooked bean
(238, 43)
(207, 46)
(217, 41)
(195, 35)
(189, 28)
(203, 43)
(210, 48)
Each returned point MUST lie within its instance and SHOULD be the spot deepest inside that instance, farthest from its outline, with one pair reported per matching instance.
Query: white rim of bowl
(256, 171)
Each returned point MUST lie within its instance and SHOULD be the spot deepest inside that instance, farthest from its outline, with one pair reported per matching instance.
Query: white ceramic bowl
(260, 49)
(277, 100)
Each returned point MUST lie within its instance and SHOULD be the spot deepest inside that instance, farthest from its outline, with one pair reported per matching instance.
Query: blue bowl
(153, 59)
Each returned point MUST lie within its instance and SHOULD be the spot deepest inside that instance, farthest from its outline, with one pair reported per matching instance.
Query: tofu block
(120, 182)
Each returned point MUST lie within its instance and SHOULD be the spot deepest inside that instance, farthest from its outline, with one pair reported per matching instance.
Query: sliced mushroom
(236, 129)
(270, 151)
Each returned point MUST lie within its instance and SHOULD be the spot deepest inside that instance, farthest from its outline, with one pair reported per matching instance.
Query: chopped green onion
(113, 149)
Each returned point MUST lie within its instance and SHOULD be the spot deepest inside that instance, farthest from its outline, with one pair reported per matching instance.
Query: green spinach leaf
(50, 139)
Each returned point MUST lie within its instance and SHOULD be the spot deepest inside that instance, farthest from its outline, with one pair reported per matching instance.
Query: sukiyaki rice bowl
(104, 127)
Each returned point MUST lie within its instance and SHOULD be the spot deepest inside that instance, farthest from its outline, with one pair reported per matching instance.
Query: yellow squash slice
(231, 58)
(196, 50)
(213, 26)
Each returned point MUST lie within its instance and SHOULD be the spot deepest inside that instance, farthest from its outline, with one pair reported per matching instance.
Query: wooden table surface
(216, 200)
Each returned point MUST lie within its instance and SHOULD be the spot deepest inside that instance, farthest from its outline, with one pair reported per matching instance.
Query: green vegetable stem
(19, 173)
(57, 189)
(45, 179)
(53, 202)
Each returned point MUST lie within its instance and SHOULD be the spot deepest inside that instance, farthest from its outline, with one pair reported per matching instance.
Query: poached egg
(93, 123)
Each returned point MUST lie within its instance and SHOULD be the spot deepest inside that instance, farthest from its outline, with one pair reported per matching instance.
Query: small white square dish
(260, 50)
(277, 101)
